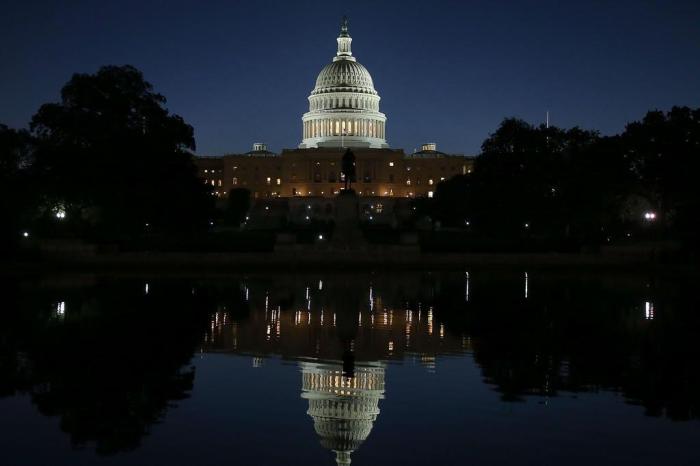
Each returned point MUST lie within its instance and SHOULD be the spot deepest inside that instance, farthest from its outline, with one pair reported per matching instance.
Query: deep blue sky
(447, 71)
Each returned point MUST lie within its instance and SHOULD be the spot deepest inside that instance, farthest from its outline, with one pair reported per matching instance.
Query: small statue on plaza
(348, 169)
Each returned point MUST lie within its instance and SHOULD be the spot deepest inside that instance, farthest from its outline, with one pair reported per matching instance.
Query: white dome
(344, 76)
(344, 106)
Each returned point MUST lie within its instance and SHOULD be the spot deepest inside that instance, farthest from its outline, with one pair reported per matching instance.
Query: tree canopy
(573, 184)
(15, 195)
(113, 154)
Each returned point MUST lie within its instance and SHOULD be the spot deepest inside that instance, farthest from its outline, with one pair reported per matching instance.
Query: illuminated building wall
(317, 172)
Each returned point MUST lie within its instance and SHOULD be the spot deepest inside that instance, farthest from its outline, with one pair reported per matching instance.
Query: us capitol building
(343, 113)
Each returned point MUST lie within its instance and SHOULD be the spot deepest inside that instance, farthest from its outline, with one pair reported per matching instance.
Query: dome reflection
(343, 408)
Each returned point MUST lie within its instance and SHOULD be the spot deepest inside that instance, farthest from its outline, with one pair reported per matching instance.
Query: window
(391, 164)
(234, 181)
(294, 191)
(219, 182)
(430, 194)
(268, 181)
(391, 178)
(408, 182)
(279, 181)
(430, 181)
(331, 177)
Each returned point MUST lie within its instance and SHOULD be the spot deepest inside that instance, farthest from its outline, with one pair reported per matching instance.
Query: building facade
(343, 113)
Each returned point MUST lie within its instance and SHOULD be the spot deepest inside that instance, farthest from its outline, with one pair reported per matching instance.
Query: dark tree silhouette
(15, 193)
(540, 182)
(349, 170)
(116, 158)
(664, 152)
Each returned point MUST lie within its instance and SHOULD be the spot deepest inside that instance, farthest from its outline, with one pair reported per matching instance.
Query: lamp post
(343, 133)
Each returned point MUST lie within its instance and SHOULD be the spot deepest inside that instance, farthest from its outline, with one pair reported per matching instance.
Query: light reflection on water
(113, 358)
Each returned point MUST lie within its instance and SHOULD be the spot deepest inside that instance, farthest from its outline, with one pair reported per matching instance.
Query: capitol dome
(344, 75)
(344, 106)
(343, 408)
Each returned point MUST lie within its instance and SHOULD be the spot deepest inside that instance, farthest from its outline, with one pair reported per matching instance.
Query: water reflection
(342, 405)
(110, 358)
(104, 359)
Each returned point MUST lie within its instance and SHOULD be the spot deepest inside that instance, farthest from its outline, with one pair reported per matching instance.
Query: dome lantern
(344, 41)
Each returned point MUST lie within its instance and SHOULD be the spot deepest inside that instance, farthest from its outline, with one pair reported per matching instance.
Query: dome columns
(346, 131)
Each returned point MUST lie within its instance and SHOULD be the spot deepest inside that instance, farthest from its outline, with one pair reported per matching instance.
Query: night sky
(447, 71)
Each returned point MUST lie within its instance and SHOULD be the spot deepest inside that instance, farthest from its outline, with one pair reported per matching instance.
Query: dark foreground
(502, 366)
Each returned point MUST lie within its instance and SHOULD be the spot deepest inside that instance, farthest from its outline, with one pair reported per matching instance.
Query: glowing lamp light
(650, 216)
(527, 225)
(320, 237)
(25, 234)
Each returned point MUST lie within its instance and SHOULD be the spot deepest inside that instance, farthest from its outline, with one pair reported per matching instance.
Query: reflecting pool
(487, 367)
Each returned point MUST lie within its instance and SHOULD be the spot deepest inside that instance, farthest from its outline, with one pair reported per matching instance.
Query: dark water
(446, 368)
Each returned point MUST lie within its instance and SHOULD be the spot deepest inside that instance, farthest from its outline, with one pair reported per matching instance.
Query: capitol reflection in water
(342, 406)
(340, 331)
(340, 348)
